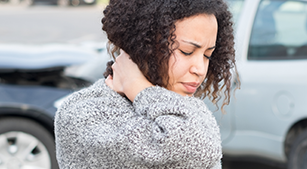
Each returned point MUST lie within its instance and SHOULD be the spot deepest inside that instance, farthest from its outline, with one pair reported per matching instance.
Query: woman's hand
(127, 78)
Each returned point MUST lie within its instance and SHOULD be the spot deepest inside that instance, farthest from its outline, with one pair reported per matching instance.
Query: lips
(191, 87)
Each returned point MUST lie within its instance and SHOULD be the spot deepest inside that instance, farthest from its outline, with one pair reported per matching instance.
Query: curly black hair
(145, 30)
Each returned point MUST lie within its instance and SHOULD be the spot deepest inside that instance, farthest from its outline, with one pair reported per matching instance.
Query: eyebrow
(197, 45)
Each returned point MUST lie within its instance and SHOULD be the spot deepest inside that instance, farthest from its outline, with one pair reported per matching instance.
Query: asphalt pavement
(50, 24)
(45, 24)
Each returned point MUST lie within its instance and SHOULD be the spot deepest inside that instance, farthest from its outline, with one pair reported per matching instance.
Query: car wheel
(298, 152)
(25, 144)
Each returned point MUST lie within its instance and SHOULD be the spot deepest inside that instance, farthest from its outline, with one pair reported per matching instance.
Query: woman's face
(188, 65)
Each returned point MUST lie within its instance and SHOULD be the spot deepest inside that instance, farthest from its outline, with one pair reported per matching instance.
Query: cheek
(207, 66)
(175, 67)
(178, 68)
(206, 69)
(171, 67)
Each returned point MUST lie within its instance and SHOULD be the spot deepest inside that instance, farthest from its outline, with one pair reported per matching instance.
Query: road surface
(50, 24)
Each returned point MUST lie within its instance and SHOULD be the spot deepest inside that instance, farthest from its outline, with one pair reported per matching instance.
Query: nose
(199, 65)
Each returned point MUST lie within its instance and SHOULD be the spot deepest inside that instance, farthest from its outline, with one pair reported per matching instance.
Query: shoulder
(99, 90)
(86, 102)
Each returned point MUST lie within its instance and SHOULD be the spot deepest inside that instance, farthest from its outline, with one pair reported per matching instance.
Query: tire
(25, 144)
(298, 152)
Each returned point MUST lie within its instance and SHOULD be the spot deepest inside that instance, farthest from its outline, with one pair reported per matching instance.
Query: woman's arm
(162, 128)
(170, 129)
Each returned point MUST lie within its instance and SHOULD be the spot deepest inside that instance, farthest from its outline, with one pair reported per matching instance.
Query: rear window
(279, 31)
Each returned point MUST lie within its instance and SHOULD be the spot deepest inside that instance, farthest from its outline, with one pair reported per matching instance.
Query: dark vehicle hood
(81, 61)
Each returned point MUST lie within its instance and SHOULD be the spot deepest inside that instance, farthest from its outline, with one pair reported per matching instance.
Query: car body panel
(19, 97)
(42, 56)
(271, 100)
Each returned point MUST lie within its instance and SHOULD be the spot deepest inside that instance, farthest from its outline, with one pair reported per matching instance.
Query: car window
(235, 7)
(279, 31)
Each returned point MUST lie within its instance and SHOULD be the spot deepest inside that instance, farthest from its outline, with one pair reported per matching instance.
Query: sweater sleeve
(170, 129)
(217, 165)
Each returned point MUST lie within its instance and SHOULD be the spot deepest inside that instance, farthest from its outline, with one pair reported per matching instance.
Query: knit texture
(98, 128)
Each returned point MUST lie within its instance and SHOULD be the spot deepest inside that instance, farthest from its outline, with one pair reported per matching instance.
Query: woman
(145, 113)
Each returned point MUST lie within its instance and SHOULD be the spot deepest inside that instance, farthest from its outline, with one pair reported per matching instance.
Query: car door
(272, 65)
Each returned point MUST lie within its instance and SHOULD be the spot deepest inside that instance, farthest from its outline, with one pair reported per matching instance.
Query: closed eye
(185, 53)
(208, 57)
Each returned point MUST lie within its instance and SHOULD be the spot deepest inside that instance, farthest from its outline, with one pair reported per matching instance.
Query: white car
(267, 118)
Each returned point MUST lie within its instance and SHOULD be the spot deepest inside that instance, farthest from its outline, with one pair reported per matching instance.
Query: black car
(33, 79)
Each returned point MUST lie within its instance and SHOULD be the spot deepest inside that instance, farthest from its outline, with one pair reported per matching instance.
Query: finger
(109, 81)
(122, 51)
(114, 65)
(124, 54)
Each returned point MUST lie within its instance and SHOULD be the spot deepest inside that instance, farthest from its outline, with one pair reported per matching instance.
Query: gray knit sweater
(98, 128)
